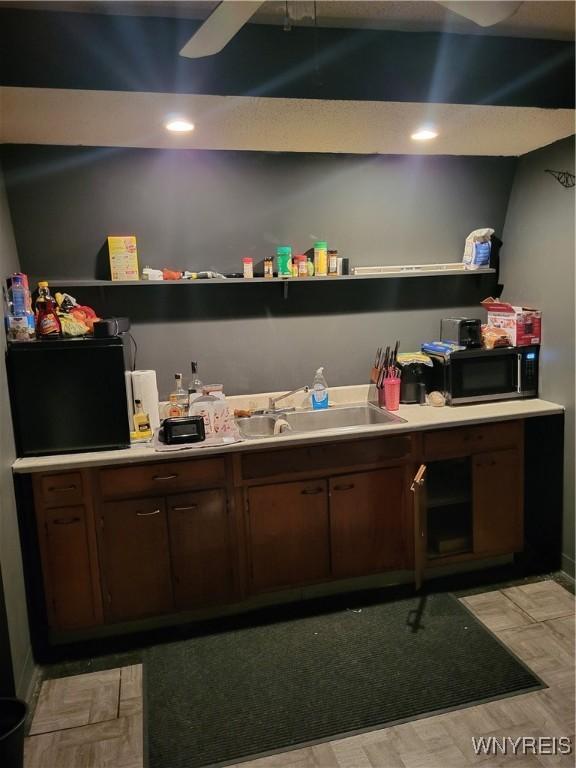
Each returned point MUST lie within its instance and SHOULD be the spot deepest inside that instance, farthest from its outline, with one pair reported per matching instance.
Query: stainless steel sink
(257, 426)
(345, 417)
(339, 417)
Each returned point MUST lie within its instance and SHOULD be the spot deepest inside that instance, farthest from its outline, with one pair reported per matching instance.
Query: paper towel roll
(145, 389)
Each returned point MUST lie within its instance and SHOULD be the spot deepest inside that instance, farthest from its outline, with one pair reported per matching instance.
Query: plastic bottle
(47, 321)
(319, 390)
(284, 258)
(321, 258)
(141, 420)
(20, 321)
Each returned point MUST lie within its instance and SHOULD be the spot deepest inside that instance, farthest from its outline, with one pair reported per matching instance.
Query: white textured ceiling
(133, 119)
(535, 18)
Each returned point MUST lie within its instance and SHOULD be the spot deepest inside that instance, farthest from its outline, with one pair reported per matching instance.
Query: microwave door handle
(519, 373)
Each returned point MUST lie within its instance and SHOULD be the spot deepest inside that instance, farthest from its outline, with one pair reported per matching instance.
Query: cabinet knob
(312, 491)
(344, 487)
(66, 520)
(164, 477)
(148, 514)
(185, 509)
(61, 488)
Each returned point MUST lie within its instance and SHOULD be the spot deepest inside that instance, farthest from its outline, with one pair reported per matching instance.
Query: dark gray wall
(10, 558)
(539, 270)
(204, 209)
(208, 209)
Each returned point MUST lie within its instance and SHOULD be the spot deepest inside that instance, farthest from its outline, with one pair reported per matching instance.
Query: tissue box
(522, 325)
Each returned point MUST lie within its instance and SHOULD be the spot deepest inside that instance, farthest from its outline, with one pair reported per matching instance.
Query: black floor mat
(228, 696)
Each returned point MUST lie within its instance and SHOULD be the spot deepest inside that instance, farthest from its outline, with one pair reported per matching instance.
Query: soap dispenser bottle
(319, 390)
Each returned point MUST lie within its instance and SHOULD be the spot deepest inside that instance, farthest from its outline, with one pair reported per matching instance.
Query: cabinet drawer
(331, 456)
(165, 477)
(61, 489)
(460, 442)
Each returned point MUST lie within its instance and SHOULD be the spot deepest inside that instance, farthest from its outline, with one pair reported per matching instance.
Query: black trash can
(12, 718)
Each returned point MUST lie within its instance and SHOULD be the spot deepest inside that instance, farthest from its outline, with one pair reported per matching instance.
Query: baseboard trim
(29, 677)
(569, 567)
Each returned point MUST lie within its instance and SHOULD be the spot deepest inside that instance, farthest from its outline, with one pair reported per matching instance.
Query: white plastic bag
(477, 248)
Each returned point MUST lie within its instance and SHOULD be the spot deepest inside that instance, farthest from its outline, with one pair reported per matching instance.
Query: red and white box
(522, 325)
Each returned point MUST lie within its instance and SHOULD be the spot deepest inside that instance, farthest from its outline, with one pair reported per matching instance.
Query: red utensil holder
(391, 394)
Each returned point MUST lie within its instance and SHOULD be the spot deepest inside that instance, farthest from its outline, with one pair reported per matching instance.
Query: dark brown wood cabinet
(124, 543)
(288, 534)
(368, 531)
(470, 503)
(498, 502)
(135, 559)
(68, 551)
(69, 581)
(200, 548)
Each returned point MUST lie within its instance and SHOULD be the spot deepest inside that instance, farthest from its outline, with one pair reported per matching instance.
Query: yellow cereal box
(123, 257)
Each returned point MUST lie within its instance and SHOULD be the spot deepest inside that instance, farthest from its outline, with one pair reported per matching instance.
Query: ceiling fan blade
(483, 13)
(224, 22)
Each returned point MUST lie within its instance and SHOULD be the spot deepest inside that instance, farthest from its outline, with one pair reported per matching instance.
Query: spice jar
(302, 266)
(248, 265)
(321, 258)
(332, 263)
(268, 267)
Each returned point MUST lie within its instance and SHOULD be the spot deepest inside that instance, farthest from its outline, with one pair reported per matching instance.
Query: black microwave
(480, 375)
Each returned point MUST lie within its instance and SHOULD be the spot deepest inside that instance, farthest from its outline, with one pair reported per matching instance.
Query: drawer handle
(164, 477)
(148, 514)
(312, 491)
(66, 520)
(62, 488)
(185, 509)
(344, 487)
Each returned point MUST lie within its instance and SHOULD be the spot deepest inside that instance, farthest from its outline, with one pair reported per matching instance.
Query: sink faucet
(273, 400)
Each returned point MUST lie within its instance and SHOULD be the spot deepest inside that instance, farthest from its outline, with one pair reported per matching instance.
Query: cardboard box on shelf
(123, 257)
(522, 325)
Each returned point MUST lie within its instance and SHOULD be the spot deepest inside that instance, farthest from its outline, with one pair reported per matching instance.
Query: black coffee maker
(415, 382)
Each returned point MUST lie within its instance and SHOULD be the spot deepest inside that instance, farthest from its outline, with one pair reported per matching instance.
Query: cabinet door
(135, 559)
(67, 568)
(368, 522)
(498, 502)
(200, 548)
(420, 496)
(288, 534)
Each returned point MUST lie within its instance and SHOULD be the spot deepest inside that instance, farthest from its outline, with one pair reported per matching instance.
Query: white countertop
(416, 417)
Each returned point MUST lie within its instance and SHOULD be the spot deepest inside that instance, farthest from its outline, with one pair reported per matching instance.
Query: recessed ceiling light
(179, 126)
(424, 134)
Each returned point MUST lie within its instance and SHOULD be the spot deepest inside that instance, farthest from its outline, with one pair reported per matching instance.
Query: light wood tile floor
(536, 621)
(88, 721)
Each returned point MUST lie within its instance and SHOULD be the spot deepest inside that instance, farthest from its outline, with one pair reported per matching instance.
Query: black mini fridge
(69, 395)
